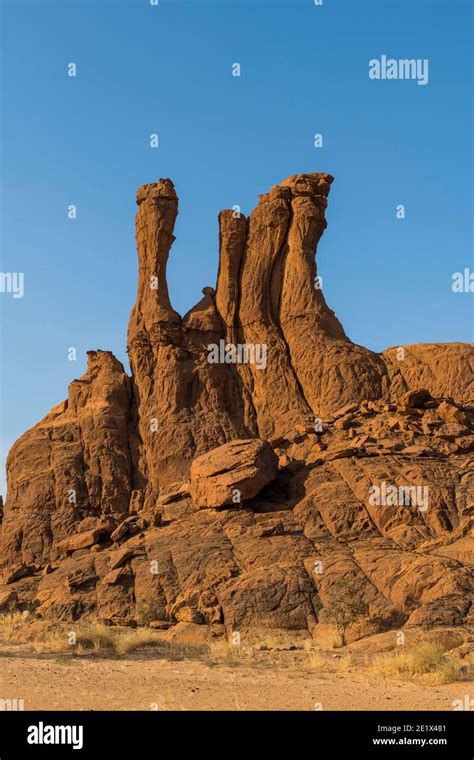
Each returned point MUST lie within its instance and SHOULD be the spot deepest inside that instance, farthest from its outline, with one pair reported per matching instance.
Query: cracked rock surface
(351, 467)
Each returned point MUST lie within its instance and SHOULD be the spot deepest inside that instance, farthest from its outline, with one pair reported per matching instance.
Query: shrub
(346, 606)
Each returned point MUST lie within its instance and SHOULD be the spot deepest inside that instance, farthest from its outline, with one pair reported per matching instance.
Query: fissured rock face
(351, 467)
(73, 467)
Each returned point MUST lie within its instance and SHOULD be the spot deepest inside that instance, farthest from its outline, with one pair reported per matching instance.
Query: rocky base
(277, 560)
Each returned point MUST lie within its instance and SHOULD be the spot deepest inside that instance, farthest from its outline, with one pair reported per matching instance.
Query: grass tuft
(426, 658)
(11, 626)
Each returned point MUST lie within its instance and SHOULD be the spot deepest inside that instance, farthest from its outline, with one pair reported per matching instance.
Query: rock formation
(351, 467)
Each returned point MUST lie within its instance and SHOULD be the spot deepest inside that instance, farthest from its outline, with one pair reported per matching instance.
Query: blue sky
(167, 69)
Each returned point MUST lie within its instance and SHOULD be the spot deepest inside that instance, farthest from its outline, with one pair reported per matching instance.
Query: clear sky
(167, 69)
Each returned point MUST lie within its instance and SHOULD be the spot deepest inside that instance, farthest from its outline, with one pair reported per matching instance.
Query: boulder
(417, 399)
(160, 625)
(80, 540)
(16, 572)
(7, 598)
(452, 413)
(232, 473)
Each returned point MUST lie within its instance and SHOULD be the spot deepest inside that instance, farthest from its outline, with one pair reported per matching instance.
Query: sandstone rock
(444, 369)
(451, 413)
(84, 443)
(320, 446)
(342, 424)
(243, 466)
(122, 622)
(347, 409)
(16, 572)
(416, 450)
(119, 557)
(80, 541)
(160, 625)
(465, 444)
(171, 354)
(451, 430)
(126, 526)
(78, 577)
(340, 453)
(283, 460)
(115, 460)
(7, 598)
(188, 615)
(112, 578)
(409, 411)
(170, 497)
(417, 398)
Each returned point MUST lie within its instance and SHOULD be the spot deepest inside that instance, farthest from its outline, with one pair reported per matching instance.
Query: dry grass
(102, 639)
(133, 640)
(93, 637)
(425, 659)
(96, 636)
(330, 664)
(11, 626)
(224, 651)
(330, 639)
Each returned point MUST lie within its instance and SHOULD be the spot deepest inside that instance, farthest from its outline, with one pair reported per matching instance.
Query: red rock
(120, 556)
(127, 526)
(233, 473)
(116, 459)
(409, 411)
(15, 573)
(7, 598)
(451, 413)
(416, 450)
(188, 615)
(347, 409)
(112, 578)
(342, 424)
(416, 399)
(80, 541)
(444, 369)
(320, 446)
(160, 625)
(340, 453)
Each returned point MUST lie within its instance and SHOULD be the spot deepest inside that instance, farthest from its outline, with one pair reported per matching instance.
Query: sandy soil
(144, 682)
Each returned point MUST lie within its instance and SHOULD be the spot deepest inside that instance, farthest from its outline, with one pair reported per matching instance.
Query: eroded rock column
(273, 387)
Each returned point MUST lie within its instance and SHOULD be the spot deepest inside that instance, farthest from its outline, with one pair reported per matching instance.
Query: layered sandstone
(257, 390)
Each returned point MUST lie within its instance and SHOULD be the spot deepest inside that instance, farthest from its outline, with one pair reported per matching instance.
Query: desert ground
(144, 682)
(189, 669)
